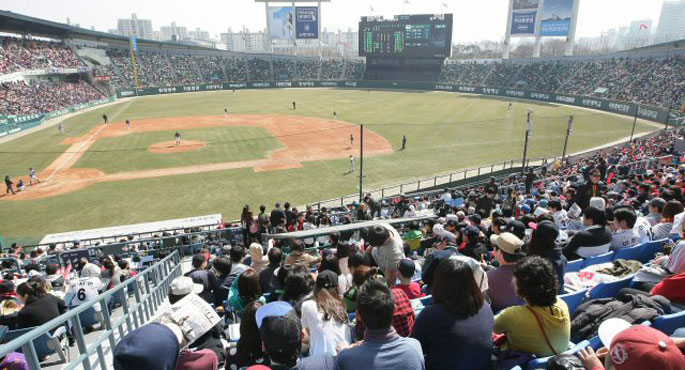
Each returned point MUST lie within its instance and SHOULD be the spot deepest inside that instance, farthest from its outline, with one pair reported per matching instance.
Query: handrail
(142, 311)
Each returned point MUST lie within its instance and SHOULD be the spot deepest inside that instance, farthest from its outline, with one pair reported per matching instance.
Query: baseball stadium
(172, 204)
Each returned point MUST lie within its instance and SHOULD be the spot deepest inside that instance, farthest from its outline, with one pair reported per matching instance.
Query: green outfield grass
(445, 132)
(222, 144)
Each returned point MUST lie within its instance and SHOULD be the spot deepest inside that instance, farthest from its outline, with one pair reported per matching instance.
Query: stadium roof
(24, 24)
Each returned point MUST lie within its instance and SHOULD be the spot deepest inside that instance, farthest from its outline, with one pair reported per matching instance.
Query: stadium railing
(150, 289)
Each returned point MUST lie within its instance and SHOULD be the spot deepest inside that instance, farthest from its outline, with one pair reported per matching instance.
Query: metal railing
(150, 289)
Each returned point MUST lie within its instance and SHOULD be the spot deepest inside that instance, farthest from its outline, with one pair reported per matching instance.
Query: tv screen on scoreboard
(406, 36)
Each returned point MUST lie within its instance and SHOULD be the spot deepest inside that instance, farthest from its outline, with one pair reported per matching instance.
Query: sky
(474, 20)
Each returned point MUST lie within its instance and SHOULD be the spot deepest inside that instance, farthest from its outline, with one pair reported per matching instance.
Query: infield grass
(445, 132)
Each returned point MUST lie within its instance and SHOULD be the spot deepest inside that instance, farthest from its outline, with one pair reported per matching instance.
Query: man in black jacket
(206, 278)
(594, 240)
(591, 188)
(277, 216)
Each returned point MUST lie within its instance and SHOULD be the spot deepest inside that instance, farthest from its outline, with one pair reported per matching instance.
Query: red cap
(641, 347)
(258, 367)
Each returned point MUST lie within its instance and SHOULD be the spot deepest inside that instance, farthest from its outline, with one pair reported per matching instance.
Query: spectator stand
(150, 290)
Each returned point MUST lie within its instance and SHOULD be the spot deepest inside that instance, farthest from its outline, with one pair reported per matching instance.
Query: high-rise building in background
(141, 28)
(174, 32)
(672, 21)
(245, 41)
(199, 34)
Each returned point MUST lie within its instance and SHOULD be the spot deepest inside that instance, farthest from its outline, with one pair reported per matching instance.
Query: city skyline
(216, 18)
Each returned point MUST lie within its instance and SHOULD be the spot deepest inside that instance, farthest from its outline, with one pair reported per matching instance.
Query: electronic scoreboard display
(406, 36)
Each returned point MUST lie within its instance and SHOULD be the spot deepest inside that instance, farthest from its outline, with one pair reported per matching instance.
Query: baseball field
(264, 151)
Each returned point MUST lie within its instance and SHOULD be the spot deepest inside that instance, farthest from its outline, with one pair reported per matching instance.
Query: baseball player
(60, 128)
(351, 141)
(404, 142)
(294, 106)
(335, 115)
(225, 111)
(352, 163)
(104, 119)
(128, 124)
(9, 184)
(33, 179)
(177, 135)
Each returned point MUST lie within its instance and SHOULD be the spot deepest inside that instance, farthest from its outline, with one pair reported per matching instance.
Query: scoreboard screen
(406, 36)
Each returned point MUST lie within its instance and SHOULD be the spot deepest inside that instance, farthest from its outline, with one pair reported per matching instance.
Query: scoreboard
(406, 36)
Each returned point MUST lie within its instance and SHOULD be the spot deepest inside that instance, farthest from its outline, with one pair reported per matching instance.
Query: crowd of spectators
(355, 70)
(332, 69)
(284, 69)
(307, 70)
(479, 280)
(186, 70)
(21, 54)
(652, 81)
(44, 96)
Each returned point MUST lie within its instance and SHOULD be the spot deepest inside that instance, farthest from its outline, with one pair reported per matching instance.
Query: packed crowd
(18, 54)
(652, 81)
(477, 284)
(160, 69)
(44, 96)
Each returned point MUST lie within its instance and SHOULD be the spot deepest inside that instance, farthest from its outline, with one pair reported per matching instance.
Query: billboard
(523, 23)
(281, 23)
(307, 25)
(406, 36)
(556, 17)
(526, 4)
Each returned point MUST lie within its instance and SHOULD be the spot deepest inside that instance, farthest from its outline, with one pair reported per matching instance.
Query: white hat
(598, 202)
(91, 270)
(184, 285)
(478, 272)
(610, 328)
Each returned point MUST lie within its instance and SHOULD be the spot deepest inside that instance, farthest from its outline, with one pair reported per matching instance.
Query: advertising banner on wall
(523, 23)
(556, 17)
(307, 24)
(281, 23)
(526, 4)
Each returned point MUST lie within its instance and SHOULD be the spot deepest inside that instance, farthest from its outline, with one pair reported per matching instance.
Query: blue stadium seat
(650, 249)
(45, 345)
(573, 300)
(669, 323)
(627, 253)
(426, 301)
(574, 266)
(610, 290)
(595, 260)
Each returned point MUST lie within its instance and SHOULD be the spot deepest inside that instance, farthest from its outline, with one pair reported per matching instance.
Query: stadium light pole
(361, 162)
(632, 133)
(529, 126)
(668, 115)
(569, 130)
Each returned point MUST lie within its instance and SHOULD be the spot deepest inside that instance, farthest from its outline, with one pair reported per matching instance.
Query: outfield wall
(649, 113)
(15, 123)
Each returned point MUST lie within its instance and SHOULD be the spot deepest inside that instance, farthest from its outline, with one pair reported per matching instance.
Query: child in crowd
(412, 289)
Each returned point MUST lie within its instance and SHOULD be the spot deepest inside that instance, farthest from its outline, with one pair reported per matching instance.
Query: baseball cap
(152, 346)
(525, 208)
(90, 270)
(327, 279)
(543, 203)
(478, 272)
(639, 347)
(598, 202)
(184, 285)
(406, 267)
(471, 231)
(273, 309)
(507, 242)
(517, 228)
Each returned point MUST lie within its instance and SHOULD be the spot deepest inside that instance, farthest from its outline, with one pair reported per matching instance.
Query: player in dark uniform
(9, 184)
(351, 141)
(404, 142)
(335, 115)
(294, 106)
(510, 105)
(225, 110)
(104, 119)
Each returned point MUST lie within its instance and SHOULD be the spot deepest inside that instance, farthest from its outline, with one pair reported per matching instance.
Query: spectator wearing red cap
(637, 347)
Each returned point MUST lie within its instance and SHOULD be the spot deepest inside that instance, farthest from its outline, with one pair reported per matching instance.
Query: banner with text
(307, 24)
(523, 23)
(556, 17)
(281, 23)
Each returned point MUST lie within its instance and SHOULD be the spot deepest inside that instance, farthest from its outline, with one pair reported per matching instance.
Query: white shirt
(624, 239)
(561, 219)
(84, 289)
(388, 255)
(643, 228)
(324, 336)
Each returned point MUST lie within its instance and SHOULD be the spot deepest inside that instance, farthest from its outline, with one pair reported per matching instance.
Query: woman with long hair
(324, 317)
(245, 289)
(456, 330)
(39, 306)
(248, 351)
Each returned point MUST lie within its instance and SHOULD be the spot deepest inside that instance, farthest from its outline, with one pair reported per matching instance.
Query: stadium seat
(626, 253)
(574, 266)
(47, 344)
(541, 363)
(669, 323)
(573, 300)
(649, 250)
(595, 260)
(609, 290)
(426, 301)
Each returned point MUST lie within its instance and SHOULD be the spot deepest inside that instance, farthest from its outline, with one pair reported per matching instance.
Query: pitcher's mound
(171, 147)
